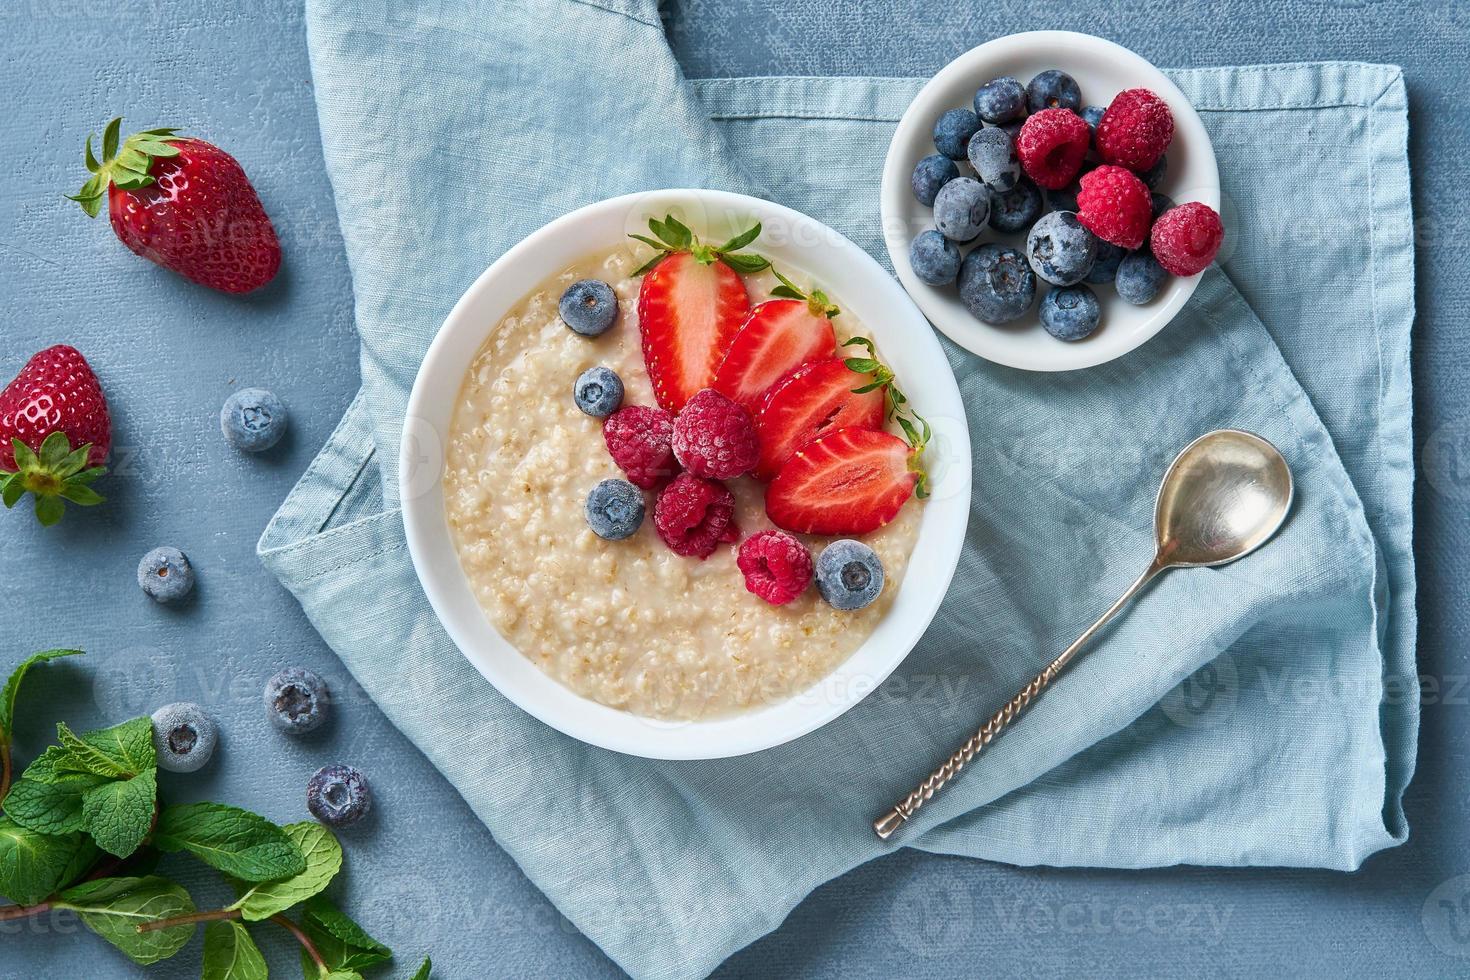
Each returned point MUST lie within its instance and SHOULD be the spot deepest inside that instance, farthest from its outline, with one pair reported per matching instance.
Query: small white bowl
(1102, 70)
(793, 242)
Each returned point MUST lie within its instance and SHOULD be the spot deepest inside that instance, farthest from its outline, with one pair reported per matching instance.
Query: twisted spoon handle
(885, 825)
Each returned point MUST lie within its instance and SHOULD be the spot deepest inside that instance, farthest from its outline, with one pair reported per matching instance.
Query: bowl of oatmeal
(630, 644)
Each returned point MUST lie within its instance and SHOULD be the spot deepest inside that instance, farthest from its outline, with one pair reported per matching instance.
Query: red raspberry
(1136, 129)
(640, 441)
(714, 437)
(776, 566)
(1115, 206)
(693, 515)
(1051, 146)
(1186, 239)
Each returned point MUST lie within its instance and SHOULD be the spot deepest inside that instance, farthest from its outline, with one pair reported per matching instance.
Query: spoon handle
(885, 825)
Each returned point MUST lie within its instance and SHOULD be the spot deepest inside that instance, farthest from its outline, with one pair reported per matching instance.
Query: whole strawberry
(184, 204)
(53, 405)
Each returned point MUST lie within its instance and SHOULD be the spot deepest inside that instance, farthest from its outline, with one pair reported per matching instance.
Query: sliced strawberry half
(848, 482)
(778, 336)
(690, 306)
(810, 402)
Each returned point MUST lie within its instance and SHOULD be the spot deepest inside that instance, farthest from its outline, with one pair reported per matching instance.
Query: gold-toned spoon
(1223, 497)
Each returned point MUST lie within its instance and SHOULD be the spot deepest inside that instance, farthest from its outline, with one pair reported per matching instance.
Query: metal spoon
(1222, 498)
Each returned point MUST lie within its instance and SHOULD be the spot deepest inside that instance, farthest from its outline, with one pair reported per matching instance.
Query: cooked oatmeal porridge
(627, 623)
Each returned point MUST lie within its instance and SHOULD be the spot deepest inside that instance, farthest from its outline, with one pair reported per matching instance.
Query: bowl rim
(944, 309)
(436, 563)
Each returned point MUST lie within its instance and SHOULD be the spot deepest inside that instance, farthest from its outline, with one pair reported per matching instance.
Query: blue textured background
(424, 875)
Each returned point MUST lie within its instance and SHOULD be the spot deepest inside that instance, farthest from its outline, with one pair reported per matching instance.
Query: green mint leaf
(424, 969)
(12, 685)
(343, 975)
(82, 860)
(230, 953)
(50, 807)
(741, 240)
(242, 844)
(745, 262)
(114, 907)
(33, 865)
(53, 764)
(341, 942)
(119, 814)
(122, 750)
(323, 860)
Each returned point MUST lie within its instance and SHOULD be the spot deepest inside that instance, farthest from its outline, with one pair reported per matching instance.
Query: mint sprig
(671, 236)
(82, 828)
(55, 475)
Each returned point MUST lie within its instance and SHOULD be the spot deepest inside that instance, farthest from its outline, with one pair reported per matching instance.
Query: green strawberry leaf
(323, 860)
(113, 908)
(25, 459)
(49, 509)
(230, 953)
(12, 488)
(242, 844)
(122, 750)
(342, 943)
(32, 865)
(741, 240)
(109, 140)
(746, 262)
(424, 969)
(12, 686)
(51, 807)
(119, 814)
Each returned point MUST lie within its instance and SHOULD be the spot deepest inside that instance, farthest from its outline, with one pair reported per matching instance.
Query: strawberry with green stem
(55, 433)
(184, 204)
(690, 305)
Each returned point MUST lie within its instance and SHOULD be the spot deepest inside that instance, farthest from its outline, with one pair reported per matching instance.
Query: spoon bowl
(1223, 497)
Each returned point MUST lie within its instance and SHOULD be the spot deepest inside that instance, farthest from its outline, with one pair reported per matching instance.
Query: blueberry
(1001, 100)
(297, 701)
(615, 509)
(849, 574)
(1092, 115)
(589, 307)
(253, 419)
(1012, 129)
(953, 130)
(993, 156)
(339, 796)
(598, 391)
(183, 737)
(1016, 208)
(930, 174)
(1063, 200)
(996, 284)
(1053, 90)
(961, 209)
(1161, 203)
(1060, 249)
(1154, 176)
(934, 258)
(1105, 266)
(166, 575)
(1139, 278)
(1070, 313)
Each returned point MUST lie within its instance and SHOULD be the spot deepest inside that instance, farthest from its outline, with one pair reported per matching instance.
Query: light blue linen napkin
(1263, 713)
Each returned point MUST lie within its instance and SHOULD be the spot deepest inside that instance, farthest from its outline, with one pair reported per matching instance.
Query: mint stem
(305, 941)
(23, 911)
(184, 920)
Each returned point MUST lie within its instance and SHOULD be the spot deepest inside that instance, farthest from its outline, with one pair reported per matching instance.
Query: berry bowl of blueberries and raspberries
(1050, 200)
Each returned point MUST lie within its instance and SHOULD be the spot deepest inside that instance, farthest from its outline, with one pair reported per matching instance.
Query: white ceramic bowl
(1102, 70)
(793, 242)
